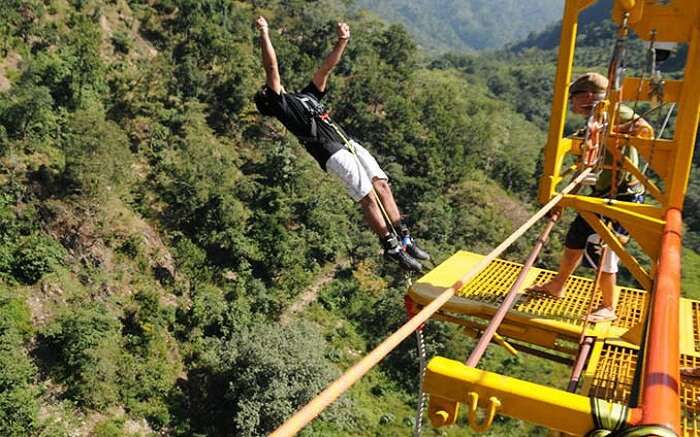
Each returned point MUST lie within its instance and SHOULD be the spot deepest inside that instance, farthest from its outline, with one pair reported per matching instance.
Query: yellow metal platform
(556, 324)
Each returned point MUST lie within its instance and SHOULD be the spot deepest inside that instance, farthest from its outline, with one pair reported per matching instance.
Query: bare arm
(320, 78)
(269, 58)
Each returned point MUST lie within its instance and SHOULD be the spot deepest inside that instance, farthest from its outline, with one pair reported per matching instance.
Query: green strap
(610, 420)
(635, 431)
(608, 415)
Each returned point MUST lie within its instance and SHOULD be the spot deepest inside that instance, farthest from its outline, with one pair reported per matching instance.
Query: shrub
(272, 372)
(85, 342)
(18, 398)
(35, 256)
(98, 160)
(122, 42)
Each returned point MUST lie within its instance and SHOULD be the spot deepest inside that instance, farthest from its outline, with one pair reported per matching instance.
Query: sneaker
(410, 246)
(394, 251)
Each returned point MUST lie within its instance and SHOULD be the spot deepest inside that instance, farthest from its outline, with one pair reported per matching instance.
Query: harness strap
(608, 417)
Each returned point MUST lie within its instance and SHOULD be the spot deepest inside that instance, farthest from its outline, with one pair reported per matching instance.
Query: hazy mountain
(467, 24)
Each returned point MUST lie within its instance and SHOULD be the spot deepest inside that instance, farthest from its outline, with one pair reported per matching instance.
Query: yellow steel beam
(659, 160)
(617, 209)
(638, 219)
(687, 319)
(450, 382)
(687, 121)
(556, 148)
(641, 275)
(649, 185)
(673, 21)
(632, 92)
(532, 332)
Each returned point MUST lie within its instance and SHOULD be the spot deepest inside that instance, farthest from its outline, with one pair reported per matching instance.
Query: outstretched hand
(261, 24)
(343, 31)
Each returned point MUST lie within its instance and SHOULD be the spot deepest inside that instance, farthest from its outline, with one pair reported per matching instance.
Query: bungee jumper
(335, 151)
(585, 93)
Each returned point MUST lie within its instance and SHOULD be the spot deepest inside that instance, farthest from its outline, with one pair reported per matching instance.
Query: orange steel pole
(661, 393)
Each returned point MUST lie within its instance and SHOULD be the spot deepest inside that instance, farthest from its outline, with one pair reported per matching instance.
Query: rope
(350, 147)
(352, 375)
(658, 137)
(418, 428)
(422, 359)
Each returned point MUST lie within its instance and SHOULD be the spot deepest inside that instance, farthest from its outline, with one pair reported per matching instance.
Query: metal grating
(570, 308)
(613, 381)
(690, 398)
(696, 325)
(491, 286)
(614, 374)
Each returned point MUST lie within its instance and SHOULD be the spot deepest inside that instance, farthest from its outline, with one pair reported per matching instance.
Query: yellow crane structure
(626, 378)
(632, 364)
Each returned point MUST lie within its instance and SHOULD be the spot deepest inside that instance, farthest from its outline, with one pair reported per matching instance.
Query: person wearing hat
(303, 114)
(581, 240)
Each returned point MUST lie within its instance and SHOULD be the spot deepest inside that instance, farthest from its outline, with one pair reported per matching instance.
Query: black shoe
(406, 261)
(410, 246)
(393, 250)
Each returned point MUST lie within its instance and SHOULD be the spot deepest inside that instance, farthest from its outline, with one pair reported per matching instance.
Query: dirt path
(307, 297)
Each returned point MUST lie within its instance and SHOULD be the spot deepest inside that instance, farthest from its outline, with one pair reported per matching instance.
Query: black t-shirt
(298, 112)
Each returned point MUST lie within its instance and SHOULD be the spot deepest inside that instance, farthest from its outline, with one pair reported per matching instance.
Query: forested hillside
(460, 25)
(172, 263)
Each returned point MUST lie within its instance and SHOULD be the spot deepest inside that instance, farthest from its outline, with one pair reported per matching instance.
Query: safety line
(352, 375)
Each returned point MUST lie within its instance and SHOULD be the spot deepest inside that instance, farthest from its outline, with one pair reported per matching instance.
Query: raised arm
(321, 77)
(269, 58)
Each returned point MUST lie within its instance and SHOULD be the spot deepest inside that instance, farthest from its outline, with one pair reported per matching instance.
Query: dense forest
(464, 25)
(172, 263)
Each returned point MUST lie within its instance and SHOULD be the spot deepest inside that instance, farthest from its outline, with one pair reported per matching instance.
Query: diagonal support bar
(497, 319)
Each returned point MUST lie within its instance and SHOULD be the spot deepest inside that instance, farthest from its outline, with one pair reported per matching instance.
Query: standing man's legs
(610, 294)
(576, 237)
(568, 263)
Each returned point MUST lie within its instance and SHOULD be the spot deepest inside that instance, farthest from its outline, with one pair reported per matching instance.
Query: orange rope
(352, 375)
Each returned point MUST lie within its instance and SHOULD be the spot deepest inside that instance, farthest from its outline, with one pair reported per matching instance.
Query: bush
(259, 378)
(98, 160)
(35, 256)
(18, 398)
(122, 42)
(85, 342)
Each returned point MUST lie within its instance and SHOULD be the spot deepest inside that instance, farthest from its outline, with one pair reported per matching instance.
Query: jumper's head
(586, 91)
(263, 101)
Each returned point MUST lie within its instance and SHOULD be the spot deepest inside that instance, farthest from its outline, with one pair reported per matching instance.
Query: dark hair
(263, 101)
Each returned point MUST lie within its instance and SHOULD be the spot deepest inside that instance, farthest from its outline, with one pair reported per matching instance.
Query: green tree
(85, 341)
(18, 397)
(97, 156)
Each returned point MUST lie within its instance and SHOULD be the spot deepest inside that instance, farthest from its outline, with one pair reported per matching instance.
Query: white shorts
(355, 170)
(594, 248)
